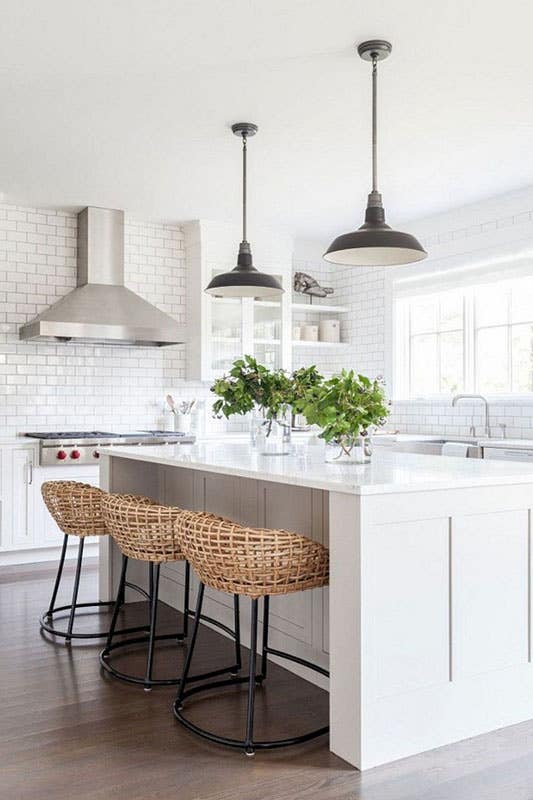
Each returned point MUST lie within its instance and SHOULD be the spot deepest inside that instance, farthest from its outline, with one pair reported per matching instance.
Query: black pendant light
(244, 280)
(374, 244)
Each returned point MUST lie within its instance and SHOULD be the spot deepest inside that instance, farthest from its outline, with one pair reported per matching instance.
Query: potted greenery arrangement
(252, 387)
(269, 394)
(346, 407)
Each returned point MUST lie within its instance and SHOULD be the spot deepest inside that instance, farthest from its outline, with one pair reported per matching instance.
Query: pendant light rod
(374, 123)
(374, 51)
(244, 130)
(244, 154)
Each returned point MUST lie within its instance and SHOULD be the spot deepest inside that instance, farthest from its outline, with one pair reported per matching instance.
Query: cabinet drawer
(507, 454)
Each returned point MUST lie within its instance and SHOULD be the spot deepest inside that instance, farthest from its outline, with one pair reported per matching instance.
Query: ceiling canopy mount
(244, 129)
(377, 49)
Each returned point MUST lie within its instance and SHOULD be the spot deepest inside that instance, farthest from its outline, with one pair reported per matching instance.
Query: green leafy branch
(249, 385)
(345, 406)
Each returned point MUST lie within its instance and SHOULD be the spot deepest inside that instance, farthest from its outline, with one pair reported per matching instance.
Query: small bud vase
(349, 450)
(273, 436)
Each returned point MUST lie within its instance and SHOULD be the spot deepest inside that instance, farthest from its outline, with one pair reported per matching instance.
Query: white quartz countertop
(388, 472)
(508, 444)
(11, 440)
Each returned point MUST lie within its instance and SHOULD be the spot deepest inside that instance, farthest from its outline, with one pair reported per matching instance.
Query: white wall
(65, 386)
(504, 222)
(54, 386)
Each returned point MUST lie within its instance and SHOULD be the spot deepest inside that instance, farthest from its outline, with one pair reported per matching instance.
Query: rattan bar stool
(254, 562)
(77, 510)
(146, 531)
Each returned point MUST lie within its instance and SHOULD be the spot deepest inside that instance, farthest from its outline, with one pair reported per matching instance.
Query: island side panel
(298, 622)
(225, 495)
(445, 617)
(129, 476)
(177, 488)
(345, 620)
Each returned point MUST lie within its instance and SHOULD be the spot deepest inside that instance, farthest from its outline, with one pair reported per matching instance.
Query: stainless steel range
(73, 448)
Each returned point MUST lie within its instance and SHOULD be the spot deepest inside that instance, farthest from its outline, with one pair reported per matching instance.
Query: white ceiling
(128, 104)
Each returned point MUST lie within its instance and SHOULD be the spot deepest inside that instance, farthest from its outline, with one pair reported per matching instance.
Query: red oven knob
(61, 455)
(75, 454)
(96, 454)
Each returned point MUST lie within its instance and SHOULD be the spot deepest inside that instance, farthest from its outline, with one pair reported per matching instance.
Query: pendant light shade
(375, 243)
(244, 280)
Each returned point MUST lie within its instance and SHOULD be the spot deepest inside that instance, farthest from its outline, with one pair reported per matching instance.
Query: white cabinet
(20, 464)
(28, 533)
(508, 454)
(223, 329)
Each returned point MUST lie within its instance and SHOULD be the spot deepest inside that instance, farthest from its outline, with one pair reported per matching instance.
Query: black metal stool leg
(251, 679)
(264, 653)
(237, 630)
(75, 591)
(58, 576)
(118, 602)
(121, 593)
(249, 740)
(186, 601)
(155, 568)
(192, 643)
(151, 583)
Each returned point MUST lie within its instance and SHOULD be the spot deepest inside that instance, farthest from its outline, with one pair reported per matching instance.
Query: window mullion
(407, 351)
(509, 344)
(510, 376)
(469, 334)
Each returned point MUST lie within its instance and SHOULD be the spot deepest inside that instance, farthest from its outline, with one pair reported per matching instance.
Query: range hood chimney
(101, 309)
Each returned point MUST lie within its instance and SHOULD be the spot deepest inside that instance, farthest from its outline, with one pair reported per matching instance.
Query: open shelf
(320, 345)
(226, 301)
(267, 303)
(234, 301)
(304, 308)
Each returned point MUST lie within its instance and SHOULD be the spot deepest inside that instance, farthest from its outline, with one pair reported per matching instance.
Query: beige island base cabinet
(426, 625)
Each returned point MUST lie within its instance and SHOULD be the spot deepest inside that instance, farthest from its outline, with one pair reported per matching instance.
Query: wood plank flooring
(67, 732)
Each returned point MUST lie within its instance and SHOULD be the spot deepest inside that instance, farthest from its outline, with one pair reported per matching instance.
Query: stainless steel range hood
(101, 309)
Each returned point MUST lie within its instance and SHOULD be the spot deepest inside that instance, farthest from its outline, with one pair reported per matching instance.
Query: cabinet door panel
(22, 494)
(301, 510)
(491, 591)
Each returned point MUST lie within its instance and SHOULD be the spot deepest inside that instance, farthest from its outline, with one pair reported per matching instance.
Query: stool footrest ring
(104, 662)
(111, 670)
(249, 747)
(297, 660)
(48, 617)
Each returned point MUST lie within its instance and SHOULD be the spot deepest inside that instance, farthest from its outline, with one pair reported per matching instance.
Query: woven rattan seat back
(250, 561)
(76, 507)
(142, 528)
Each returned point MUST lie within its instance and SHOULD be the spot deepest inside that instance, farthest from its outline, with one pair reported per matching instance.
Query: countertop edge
(377, 489)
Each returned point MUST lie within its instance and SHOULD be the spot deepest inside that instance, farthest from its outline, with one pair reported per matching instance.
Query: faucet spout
(483, 399)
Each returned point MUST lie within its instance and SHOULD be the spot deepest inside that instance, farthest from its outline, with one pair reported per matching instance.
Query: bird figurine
(306, 284)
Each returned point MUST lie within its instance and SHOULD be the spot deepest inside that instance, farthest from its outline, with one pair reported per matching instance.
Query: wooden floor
(67, 732)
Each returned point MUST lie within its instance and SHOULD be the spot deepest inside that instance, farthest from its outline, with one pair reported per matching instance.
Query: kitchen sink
(429, 445)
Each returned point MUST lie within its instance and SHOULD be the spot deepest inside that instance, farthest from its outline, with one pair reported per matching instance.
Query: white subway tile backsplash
(62, 385)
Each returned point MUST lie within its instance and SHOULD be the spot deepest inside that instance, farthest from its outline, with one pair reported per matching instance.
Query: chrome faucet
(487, 415)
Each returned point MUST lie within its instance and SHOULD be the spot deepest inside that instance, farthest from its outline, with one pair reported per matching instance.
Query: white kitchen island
(428, 624)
